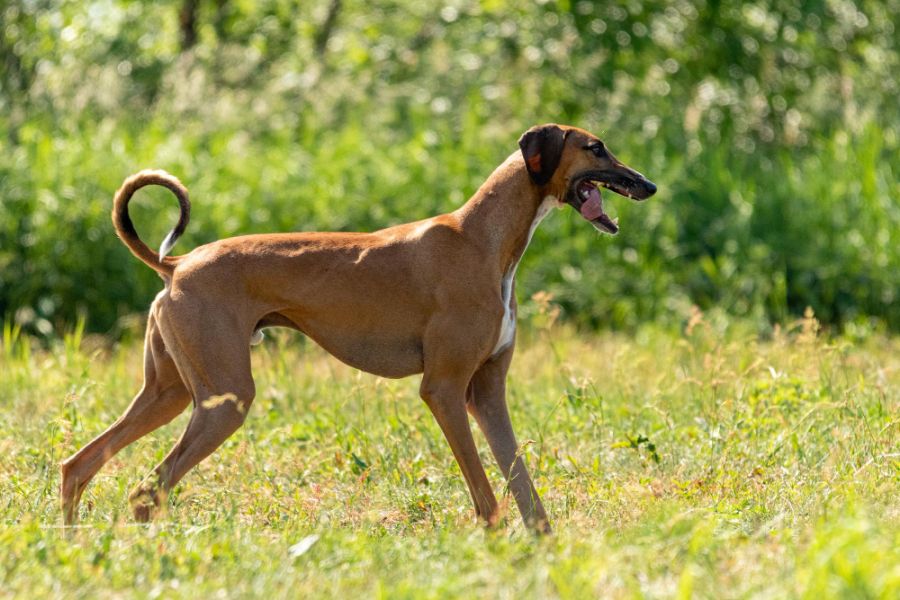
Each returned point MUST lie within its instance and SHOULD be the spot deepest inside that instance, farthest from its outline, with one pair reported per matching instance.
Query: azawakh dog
(434, 297)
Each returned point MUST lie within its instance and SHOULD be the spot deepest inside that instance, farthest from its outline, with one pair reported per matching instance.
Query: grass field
(703, 463)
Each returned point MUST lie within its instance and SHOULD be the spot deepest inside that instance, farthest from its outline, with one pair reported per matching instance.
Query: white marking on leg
(508, 325)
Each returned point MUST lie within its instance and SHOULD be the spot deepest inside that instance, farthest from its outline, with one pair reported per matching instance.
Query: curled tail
(125, 228)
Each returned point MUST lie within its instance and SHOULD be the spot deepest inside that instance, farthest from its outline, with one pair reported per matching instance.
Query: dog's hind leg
(163, 397)
(216, 370)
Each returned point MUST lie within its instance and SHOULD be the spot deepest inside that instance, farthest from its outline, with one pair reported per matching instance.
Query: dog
(434, 297)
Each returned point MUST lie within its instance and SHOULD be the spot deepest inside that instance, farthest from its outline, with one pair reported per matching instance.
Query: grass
(704, 463)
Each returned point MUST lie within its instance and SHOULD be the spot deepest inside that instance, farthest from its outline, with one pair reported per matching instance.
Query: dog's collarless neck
(504, 213)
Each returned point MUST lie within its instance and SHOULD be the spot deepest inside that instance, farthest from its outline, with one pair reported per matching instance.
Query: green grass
(706, 463)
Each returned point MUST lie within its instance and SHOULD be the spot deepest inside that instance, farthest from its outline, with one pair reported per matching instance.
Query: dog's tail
(159, 262)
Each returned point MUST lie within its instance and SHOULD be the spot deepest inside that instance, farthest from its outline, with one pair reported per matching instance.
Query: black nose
(650, 187)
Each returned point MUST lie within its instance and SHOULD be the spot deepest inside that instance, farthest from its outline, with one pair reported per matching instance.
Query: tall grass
(709, 463)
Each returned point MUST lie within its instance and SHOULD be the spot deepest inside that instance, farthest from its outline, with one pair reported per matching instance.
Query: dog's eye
(598, 149)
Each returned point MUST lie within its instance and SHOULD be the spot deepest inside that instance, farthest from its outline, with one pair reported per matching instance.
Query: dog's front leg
(487, 403)
(446, 397)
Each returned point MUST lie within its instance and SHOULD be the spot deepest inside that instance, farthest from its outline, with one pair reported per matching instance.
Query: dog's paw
(144, 501)
(142, 512)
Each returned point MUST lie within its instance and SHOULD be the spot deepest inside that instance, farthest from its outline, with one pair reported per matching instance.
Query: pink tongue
(592, 207)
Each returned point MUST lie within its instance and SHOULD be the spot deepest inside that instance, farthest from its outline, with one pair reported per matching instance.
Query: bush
(770, 129)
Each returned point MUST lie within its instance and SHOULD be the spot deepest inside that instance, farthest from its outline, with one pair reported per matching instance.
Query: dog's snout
(641, 187)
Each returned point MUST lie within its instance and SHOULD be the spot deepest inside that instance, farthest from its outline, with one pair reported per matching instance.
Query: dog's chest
(508, 323)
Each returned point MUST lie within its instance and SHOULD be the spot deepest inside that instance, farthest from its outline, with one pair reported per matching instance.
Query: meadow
(706, 462)
(708, 402)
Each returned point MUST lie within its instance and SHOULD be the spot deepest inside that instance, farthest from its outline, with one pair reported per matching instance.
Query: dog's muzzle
(585, 197)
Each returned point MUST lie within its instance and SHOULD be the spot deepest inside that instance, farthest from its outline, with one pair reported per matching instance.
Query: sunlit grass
(708, 462)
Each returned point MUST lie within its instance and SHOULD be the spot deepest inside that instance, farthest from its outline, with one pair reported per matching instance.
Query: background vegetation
(771, 128)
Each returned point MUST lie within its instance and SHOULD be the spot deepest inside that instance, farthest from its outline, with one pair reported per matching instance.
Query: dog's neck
(504, 212)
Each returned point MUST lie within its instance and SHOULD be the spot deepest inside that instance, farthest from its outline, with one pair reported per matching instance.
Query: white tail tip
(167, 245)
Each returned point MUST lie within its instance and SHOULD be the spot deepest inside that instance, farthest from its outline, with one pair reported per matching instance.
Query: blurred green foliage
(771, 128)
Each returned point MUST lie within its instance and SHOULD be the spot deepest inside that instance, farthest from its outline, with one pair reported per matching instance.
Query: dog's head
(573, 165)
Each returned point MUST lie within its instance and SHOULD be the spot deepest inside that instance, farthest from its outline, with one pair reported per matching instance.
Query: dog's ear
(542, 148)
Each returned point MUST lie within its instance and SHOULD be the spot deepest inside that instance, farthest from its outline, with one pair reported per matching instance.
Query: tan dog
(433, 297)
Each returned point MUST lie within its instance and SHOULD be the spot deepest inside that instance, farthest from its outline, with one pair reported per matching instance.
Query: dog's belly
(386, 352)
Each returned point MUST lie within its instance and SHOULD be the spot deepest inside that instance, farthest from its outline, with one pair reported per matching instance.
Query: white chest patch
(508, 325)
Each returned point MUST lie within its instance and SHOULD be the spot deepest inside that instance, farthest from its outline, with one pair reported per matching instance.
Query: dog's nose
(651, 187)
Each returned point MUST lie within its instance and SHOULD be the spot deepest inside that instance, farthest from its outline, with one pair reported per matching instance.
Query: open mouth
(590, 205)
(584, 193)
